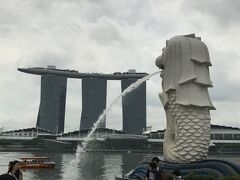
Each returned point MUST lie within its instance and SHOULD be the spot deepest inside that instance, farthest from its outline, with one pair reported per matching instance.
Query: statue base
(211, 167)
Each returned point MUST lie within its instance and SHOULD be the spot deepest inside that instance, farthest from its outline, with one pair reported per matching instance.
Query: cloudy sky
(112, 36)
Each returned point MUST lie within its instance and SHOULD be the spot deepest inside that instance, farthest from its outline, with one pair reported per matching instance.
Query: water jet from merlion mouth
(79, 155)
(130, 88)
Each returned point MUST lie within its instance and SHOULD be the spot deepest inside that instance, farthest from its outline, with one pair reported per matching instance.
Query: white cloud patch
(227, 113)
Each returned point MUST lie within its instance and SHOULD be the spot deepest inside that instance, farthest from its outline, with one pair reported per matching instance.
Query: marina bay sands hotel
(51, 114)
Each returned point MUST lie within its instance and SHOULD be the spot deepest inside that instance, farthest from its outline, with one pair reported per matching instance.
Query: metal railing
(18, 137)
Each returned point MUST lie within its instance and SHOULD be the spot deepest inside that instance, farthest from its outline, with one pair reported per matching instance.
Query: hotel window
(228, 136)
(218, 136)
(236, 136)
(155, 136)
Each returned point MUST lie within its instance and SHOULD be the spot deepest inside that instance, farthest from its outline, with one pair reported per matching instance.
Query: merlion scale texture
(185, 81)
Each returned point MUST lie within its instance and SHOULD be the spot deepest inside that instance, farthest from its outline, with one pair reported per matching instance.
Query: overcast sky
(112, 36)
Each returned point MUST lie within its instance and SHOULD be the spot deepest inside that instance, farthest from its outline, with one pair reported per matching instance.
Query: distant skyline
(112, 36)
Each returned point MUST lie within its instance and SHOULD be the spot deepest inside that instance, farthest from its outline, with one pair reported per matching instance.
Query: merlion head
(185, 65)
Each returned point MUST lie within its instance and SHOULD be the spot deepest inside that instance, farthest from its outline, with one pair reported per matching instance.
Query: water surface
(91, 165)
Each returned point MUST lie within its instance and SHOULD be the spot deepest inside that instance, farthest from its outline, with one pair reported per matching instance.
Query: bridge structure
(51, 114)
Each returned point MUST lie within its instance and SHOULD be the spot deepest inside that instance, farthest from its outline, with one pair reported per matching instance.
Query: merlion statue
(185, 81)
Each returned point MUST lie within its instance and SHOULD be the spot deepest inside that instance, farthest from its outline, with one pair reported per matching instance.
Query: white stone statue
(185, 81)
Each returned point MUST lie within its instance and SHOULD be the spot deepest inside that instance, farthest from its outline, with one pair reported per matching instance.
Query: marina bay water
(94, 165)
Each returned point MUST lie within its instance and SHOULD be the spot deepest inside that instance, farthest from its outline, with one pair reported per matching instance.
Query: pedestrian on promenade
(159, 174)
(177, 175)
(14, 171)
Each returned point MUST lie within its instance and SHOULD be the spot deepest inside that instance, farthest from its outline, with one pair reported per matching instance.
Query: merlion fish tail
(187, 135)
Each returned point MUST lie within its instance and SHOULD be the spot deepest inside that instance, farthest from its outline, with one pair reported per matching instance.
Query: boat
(36, 162)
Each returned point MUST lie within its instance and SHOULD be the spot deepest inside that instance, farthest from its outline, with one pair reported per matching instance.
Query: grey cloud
(131, 12)
(153, 100)
(226, 113)
(224, 12)
(51, 58)
(6, 30)
(156, 117)
(106, 32)
(45, 58)
(225, 85)
(225, 90)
